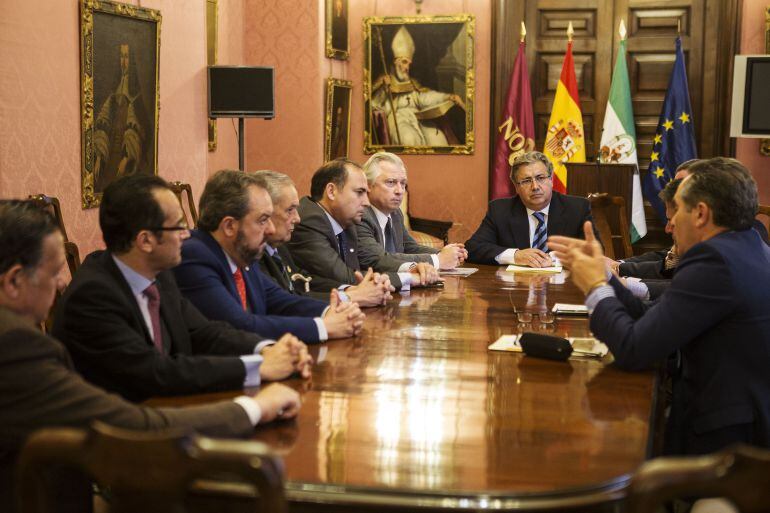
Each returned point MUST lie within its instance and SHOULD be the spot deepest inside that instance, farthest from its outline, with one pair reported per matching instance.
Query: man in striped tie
(515, 229)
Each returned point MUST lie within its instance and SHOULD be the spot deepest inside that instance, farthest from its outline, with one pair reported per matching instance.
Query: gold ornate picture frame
(119, 57)
(764, 144)
(337, 33)
(337, 119)
(212, 48)
(419, 84)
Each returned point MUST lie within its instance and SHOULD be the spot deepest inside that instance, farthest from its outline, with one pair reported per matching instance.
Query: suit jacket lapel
(113, 270)
(519, 225)
(397, 221)
(351, 257)
(275, 272)
(219, 253)
(556, 215)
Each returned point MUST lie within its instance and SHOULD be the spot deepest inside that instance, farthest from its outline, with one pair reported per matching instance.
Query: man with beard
(220, 272)
(128, 327)
(411, 110)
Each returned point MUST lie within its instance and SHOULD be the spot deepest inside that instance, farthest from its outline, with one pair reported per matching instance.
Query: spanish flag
(565, 140)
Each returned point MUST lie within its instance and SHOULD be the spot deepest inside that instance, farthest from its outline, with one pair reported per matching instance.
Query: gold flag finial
(679, 27)
(523, 32)
(570, 32)
(622, 30)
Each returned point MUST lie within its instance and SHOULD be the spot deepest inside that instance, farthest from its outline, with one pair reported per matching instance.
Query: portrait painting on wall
(337, 122)
(120, 48)
(337, 40)
(419, 84)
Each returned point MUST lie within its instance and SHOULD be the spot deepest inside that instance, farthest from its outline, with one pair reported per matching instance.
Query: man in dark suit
(325, 241)
(38, 386)
(128, 327)
(515, 230)
(278, 264)
(714, 312)
(219, 275)
(383, 240)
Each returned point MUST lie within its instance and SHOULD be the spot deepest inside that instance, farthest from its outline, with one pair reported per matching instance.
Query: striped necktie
(541, 233)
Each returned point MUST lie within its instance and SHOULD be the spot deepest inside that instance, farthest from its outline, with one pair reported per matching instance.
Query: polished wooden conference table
(418, 413)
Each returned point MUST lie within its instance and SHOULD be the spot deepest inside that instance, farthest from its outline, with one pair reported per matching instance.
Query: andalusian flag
(565, 140)
(618, 144)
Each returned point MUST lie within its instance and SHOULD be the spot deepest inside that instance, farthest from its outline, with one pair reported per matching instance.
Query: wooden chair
(151, 471)
(740, 473)
(71, 251)
(611, 221)
(427, 232)
(181, 189)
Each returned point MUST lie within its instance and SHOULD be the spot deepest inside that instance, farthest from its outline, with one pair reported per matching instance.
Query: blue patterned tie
(541, 234)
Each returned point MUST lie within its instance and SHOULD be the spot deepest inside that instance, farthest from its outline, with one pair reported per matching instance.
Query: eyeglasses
(179, 228)
(529, 182)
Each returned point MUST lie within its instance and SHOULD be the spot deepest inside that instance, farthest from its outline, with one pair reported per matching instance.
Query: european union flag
(674, 141)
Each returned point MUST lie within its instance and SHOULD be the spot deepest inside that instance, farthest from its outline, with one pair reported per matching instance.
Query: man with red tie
(131, 331)
(220, 271)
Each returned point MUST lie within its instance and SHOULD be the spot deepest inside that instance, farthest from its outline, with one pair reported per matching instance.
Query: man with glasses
(383, 240)
(129, 329)
(515, 229)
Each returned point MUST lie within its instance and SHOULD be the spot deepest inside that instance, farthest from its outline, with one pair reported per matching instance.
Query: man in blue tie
(515, 229)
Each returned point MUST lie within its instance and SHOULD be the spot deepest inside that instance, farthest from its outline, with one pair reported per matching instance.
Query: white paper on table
(565, 308)
(506, 343)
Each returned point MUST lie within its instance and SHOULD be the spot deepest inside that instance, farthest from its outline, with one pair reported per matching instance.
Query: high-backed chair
(182, 189)
(425, 231)
(71, 251)
(610, 220)
(151, 471)
(740, 474)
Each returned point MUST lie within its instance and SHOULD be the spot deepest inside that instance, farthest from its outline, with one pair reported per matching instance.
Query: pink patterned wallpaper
(40, 104)
(753, 42)
(289, 36)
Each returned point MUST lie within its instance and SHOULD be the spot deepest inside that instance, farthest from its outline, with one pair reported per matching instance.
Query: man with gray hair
(383, 240)
(515, 229)
(279, 265)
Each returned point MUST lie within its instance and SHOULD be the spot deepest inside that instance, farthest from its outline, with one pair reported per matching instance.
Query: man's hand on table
(284, 358)
(532, 257)
(277, 401)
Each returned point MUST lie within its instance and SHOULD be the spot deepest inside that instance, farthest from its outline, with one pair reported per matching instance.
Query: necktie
(240, 284)
(279, 262)
(390, 244)
(343, 243)
(541, 234)
(153, 305)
